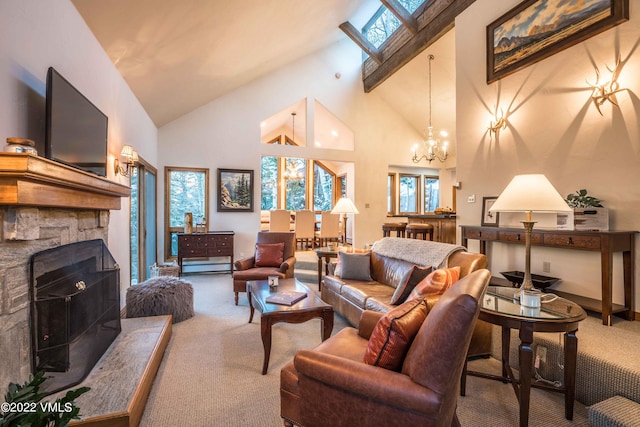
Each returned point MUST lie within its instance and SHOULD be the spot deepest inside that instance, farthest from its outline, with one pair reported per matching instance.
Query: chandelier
(432, 148)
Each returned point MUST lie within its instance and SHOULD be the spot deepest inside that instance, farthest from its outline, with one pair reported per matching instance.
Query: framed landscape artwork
(235, 190)
(489, 219)
(537, 29)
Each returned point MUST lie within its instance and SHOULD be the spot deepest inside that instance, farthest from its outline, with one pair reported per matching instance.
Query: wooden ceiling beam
(434, 20)
(363, 43)
(407, 19)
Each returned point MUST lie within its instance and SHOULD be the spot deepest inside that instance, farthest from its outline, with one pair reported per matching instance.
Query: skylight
(383, 23)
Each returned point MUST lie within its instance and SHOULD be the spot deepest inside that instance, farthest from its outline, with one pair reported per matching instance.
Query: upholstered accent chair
(331, 384)
(274, 256)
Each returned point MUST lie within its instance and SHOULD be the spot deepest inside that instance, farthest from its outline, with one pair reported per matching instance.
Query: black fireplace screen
(75, 310)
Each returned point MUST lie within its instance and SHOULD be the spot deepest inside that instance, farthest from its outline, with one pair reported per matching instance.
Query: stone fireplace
(43, 205)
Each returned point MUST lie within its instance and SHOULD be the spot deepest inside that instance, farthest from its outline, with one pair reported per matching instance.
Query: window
(323, 183)
(383, 23)
(314, 190)
(186, 190)
(431, 193)
(269, 183)
(391, 194)
(295, 184)
(409, 189)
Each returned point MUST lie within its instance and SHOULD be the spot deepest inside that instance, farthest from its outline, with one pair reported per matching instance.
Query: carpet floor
(210, 373)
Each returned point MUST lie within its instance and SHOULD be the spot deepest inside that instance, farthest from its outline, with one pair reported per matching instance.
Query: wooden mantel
(28, 180)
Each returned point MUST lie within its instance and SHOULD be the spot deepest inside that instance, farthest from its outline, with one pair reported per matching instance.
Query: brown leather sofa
(332, 386)
(350, 298)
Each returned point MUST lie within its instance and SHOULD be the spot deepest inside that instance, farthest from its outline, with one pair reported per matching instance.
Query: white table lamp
(529, 193)
(345, 206)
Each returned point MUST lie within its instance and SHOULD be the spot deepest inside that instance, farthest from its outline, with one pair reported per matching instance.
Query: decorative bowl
(539, 281)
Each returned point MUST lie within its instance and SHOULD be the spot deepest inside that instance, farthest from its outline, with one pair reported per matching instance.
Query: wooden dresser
(605, 242)
(206, 245)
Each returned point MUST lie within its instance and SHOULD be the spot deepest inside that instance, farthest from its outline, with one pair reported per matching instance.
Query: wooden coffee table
(309, 308)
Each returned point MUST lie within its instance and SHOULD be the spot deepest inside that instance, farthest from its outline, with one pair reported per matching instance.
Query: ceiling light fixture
(432, 148)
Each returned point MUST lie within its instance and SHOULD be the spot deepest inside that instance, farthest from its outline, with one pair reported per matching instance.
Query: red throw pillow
(394, 333)
(436, 283)
(408, 282)
(269, 254)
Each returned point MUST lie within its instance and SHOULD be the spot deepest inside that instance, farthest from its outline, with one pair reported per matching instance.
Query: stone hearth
(43, 204)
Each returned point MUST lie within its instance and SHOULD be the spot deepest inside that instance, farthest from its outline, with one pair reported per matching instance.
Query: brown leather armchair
(331, 385)
(246, 269)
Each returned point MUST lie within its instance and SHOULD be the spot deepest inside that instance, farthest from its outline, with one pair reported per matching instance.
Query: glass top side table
(499, 307)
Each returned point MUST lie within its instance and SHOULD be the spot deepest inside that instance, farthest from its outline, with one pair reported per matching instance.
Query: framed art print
(235, 190)
(489, 219)
(537, 29)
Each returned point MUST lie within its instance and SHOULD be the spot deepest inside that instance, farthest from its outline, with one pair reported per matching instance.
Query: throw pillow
(408, 282)
(394, 333)
(337, 269)
(436, 283)
(269, 254)
(355, 266)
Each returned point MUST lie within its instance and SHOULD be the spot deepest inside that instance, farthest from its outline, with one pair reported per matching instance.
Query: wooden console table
(605, 242)
(206, 245)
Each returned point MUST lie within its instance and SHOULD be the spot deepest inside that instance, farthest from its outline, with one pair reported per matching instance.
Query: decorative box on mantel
(584, 219)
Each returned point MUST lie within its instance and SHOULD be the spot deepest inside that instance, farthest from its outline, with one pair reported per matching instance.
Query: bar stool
(416, 230)
(398, 227)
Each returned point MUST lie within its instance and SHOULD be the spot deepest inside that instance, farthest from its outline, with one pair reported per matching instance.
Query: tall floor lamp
(529, 193)
(345, 206)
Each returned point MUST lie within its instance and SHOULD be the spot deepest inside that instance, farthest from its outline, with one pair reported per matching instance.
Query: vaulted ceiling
(179, 55)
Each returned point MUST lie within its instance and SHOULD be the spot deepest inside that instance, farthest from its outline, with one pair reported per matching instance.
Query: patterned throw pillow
(436, 283)
(394, 333)
(408, 282)
(269, 254)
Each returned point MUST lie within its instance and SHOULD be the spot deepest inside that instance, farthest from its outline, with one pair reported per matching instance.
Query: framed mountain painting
(537, 29)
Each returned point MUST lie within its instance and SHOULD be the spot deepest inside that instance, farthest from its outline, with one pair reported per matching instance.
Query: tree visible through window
(431, 193)
(323, 182)
(187, 190)
(409, 193)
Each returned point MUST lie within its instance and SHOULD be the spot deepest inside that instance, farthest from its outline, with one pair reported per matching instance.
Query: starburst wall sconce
(603, 91)
(496, 123)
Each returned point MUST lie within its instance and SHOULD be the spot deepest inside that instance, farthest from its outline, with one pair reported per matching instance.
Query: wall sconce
(606, 91)
(131, 158)
(497, 123)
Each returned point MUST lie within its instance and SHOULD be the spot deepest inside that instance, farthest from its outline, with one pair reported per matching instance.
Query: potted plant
(588, 212)
(581, 200)
(23, 405)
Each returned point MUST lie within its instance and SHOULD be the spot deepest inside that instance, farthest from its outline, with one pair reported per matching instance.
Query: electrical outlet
(541, 352)
(546, 267)
(471, 198)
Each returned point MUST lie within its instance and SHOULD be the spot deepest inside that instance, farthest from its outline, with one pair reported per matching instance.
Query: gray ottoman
(161, 296)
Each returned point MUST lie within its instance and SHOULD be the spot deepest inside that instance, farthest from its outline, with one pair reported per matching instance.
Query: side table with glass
(500, 307)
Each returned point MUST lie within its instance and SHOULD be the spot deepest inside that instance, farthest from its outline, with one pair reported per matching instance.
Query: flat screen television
(76, 130)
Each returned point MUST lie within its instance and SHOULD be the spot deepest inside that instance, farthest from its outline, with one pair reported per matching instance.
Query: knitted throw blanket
(420, 252)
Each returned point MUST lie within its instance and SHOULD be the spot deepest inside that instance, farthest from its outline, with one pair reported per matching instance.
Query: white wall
(226, 134)
(36, 35)
(553, 128)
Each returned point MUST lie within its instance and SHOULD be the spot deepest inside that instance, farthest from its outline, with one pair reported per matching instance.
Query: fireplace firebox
(75, 310)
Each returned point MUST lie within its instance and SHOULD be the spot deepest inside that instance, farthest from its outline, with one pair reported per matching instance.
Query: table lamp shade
(345, 206)
(530, 193)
